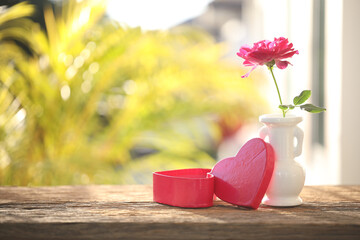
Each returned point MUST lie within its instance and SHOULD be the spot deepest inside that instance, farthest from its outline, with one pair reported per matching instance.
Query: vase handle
(263, 132)
(299, 135)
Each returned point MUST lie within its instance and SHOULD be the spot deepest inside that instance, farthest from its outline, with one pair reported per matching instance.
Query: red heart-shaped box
(189, 188)
(241, 180)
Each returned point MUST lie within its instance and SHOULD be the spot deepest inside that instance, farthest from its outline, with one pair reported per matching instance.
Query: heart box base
(241, 180)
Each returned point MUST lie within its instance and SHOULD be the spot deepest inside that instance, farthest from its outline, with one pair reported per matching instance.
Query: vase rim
(278, 117)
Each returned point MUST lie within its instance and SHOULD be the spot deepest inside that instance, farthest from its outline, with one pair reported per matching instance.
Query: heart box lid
(241, 180)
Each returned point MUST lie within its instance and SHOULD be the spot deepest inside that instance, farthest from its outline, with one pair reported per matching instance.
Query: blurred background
(106, 92)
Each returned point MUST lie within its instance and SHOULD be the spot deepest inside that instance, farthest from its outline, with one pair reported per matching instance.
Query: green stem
(277, 88)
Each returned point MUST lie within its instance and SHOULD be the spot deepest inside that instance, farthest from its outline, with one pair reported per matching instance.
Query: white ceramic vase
(289, 176)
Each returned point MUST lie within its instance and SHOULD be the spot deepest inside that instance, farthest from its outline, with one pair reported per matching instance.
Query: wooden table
(128, 212)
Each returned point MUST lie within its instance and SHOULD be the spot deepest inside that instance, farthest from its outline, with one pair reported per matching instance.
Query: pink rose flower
(268, 53)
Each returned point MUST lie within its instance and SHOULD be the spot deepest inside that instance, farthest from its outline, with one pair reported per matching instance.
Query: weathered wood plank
(127, 212)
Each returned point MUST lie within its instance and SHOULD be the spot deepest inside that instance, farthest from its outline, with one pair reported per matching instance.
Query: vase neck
(281, 137)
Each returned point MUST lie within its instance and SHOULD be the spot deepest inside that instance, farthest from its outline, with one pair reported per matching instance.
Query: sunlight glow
(65, 92)
(155, 14)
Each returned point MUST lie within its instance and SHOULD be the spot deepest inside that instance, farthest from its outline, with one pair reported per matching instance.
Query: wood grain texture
(128, 212)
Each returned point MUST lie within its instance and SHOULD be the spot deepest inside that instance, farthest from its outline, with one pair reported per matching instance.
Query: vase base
(282, 202)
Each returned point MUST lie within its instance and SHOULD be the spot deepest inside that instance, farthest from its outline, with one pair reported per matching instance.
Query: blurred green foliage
(90, 101)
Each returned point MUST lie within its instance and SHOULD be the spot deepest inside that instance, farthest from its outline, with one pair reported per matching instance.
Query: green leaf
(304, 95)
(286, 107)
(283, 107)
(312, 108)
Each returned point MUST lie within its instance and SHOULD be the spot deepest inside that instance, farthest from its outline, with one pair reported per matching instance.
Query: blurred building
(217, 18)
(225, 21)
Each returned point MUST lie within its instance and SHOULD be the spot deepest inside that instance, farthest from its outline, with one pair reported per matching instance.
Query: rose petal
(260, 57)
(288, 55)
(282, 64)
(246, 75)
(248, 63)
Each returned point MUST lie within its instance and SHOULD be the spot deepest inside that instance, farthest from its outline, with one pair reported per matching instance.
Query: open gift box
(241, 180)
